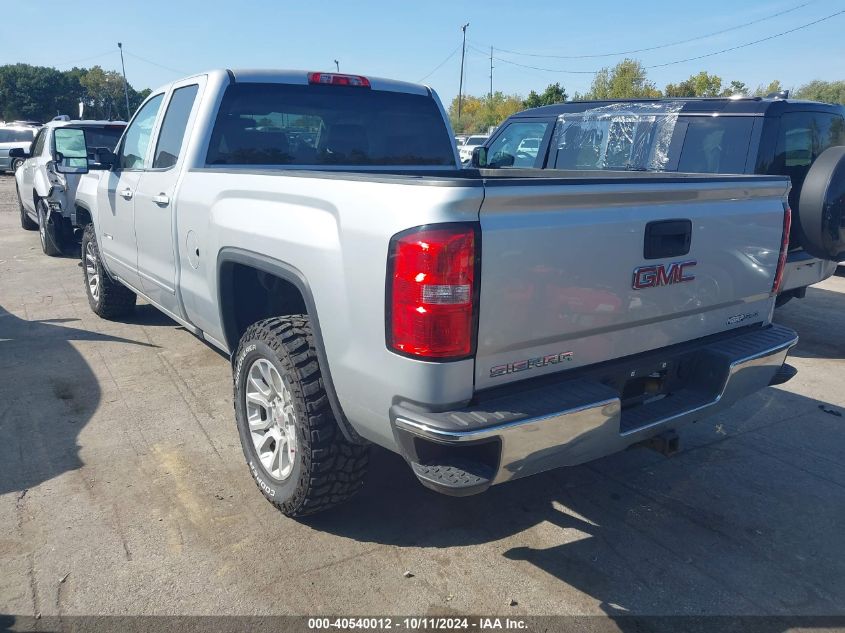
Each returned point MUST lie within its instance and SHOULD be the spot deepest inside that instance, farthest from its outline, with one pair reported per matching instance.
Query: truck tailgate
(576, 272)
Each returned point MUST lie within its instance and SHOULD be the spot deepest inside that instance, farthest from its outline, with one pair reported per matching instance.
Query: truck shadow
(48, 393)
(819, 319)
(746, 520)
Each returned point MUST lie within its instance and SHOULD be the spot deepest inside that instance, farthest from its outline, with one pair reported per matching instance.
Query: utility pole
(337, 65)
(461, 84)
(125, 84)
(491, 72)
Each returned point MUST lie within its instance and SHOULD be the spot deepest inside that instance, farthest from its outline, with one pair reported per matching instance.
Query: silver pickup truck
(485, 325)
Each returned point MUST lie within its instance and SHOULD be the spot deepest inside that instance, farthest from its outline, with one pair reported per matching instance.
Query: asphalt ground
(123, 490)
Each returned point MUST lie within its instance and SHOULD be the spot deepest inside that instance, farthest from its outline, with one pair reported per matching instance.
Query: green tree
(104, 96)
(554, 93)
(36, 92)
(762, 91)
(826, 91)
(736, 88)
(40, 93)
(701, 85)
(626, 80)
(478, 114)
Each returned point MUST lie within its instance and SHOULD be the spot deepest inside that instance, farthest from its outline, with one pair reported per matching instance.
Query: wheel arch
(229, 261)
(82, 214)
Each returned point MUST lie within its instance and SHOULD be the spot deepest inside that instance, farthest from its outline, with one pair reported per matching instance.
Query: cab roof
(713, 105)
(84, 123)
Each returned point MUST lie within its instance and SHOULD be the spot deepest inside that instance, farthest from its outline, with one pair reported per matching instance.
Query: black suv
(749, 135)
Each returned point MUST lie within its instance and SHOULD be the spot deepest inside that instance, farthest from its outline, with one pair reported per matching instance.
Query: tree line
(626, 80)
(39, 93)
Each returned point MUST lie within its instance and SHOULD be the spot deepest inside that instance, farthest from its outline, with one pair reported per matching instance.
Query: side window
(173, 127)
(517, 145)
(716, 145)
(805, 135)
(38, 143)
(137, 139)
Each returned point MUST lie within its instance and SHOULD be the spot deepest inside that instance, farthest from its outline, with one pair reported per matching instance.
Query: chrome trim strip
(441, 435)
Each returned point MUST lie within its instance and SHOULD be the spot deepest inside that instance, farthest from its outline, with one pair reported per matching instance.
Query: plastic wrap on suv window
(630, 135)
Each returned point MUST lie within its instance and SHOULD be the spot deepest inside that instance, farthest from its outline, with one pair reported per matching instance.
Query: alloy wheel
(92, 274)
(271, 419)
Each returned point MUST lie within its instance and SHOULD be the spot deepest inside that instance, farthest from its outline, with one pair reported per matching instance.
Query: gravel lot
(123, 490)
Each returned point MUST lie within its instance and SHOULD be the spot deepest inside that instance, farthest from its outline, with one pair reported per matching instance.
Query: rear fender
(297, 279)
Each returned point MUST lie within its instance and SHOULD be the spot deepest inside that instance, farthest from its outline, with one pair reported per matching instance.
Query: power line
(668, 44)
(747, 44)
(677, 61)
(440, 65)
(85, 59)
(173, 70)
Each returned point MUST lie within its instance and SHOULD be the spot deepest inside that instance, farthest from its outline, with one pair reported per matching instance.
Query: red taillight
(784, 247)
(336, 79)
(431, 292)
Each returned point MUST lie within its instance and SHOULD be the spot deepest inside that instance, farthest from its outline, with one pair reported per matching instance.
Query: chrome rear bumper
(573, 421)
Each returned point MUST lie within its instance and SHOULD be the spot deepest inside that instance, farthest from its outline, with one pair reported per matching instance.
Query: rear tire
(16, 164)
(108, 298)
(280, 401)
(50, 230)
(26, 223)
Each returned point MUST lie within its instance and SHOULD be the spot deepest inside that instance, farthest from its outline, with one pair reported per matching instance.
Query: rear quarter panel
(335, 232)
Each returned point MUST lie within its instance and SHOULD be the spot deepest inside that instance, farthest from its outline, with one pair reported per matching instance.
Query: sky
(166, 39)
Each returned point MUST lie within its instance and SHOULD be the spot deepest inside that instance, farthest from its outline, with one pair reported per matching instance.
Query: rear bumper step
(572, 421)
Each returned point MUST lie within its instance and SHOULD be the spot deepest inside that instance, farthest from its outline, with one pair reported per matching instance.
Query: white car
(529, 146)
(13, 136)
(46, 197)
(465, 150)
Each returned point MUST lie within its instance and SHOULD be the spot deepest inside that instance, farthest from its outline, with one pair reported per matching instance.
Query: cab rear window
(281, 124)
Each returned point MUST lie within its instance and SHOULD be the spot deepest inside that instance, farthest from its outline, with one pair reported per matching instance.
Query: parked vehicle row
(465, 150)
(485, 324)
(14, 136)
(773, 136)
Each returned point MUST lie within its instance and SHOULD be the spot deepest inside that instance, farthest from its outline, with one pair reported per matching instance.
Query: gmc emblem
(662, 274)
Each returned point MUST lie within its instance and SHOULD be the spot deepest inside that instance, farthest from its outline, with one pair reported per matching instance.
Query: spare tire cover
(822, 206)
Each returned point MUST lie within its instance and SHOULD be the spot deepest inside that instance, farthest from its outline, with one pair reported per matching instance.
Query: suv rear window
(17, 136)
(105, 137)
(803, 136)
(281, 124)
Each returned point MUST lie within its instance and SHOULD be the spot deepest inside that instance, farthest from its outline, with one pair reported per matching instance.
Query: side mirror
(18, 152)
(479, 157)
(71, 154)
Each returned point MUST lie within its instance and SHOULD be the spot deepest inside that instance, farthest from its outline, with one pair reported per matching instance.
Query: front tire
(50, 230)
(293, 445)
(16, 164)
(108, 298)
(26, 223)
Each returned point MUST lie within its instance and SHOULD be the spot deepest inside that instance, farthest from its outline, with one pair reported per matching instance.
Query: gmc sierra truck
(486, 325)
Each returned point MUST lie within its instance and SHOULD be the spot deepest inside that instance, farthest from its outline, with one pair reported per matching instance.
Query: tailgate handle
(667, 238)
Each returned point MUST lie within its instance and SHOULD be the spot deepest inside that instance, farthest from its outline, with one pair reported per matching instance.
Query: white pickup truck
(484, 324)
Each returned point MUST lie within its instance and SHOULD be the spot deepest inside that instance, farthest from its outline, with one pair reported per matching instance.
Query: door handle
(161, 199)
(667, 238)
(126, 194)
